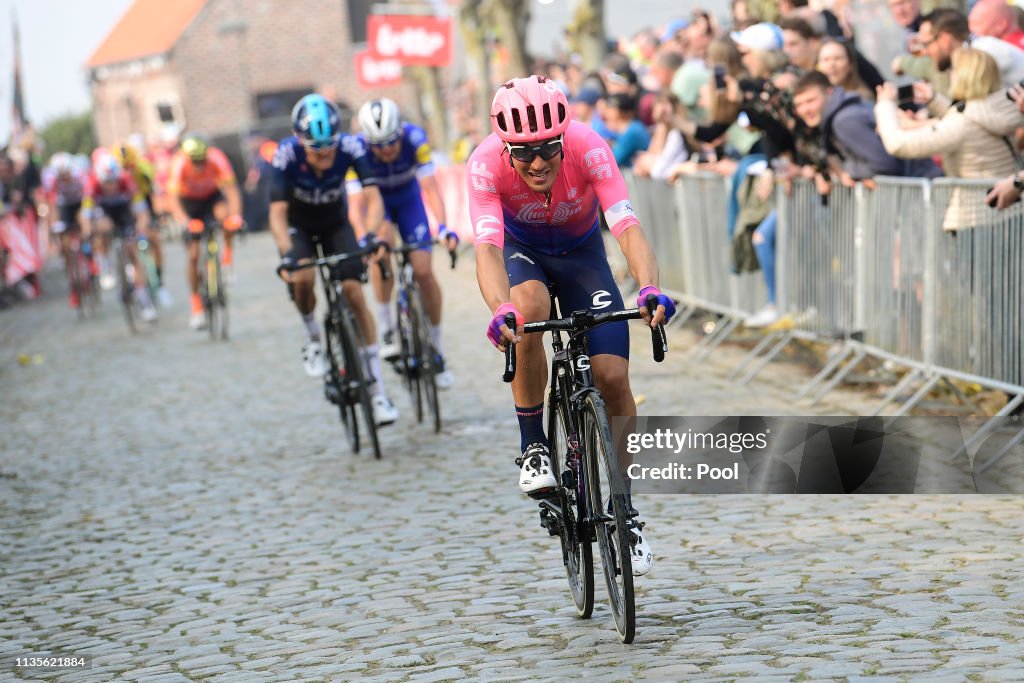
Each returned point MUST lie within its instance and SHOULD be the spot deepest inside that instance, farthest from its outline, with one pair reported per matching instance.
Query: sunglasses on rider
(547, 150)
(384, 145)
(320, 146)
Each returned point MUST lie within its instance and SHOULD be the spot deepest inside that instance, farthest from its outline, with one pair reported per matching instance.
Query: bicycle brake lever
(510, 351)
(659, 342)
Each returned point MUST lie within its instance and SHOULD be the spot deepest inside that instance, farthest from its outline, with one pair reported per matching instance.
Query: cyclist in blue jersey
(307, 203)
(402, 167)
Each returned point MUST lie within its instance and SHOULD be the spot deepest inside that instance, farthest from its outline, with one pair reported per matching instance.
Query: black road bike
(418, 360)
(349, 379)
(590, 501)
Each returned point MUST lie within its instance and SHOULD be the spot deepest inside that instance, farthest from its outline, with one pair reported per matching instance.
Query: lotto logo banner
(819, 455)
(412, 40)
(376, 72)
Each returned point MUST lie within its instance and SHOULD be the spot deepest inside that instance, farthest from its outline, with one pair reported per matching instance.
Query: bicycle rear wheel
(424, 348)
(577, 553)
(607, 497)
(358, 375)
(339, 375)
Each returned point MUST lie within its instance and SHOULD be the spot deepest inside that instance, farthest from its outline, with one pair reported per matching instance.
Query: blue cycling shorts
(406, 211)
(581, 279)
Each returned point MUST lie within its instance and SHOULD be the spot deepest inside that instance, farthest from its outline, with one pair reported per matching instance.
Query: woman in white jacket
(974, 136)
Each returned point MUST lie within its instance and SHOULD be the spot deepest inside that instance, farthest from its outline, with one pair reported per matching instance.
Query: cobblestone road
(181, 510)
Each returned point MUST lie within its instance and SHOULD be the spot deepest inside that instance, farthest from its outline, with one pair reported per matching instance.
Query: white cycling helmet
(380, 121)
(61, 163)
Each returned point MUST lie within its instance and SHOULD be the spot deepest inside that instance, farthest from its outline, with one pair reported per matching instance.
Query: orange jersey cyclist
(201, 187)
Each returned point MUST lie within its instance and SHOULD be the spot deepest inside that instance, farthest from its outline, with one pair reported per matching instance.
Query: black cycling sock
(160, 275)
(531, 425)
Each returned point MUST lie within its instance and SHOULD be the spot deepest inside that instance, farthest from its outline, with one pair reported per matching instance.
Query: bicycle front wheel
(427, 362)
(577, 554)
(216, 321)
(608, 506)
(339, 377)
(126, 285)
(358, 375)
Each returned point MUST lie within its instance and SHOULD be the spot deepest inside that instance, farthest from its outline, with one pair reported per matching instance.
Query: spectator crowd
(765, 103)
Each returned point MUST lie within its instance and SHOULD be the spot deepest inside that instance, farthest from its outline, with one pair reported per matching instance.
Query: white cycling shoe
(313, 359)
(444, 379)
(384, 411)
(390, 348)
(535, 472)
(148, 313)
(640, 554)
(197, 320)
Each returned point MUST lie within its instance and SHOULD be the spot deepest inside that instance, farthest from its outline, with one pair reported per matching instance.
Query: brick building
(227, 68)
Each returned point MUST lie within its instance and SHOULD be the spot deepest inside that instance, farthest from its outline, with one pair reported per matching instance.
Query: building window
(275, 105)
(358, 11)
(165, 112)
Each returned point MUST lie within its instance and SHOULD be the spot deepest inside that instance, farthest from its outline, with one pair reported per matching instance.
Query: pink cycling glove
(494, 329)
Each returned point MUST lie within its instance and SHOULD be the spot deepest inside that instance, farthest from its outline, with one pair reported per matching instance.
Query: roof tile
(149, 27)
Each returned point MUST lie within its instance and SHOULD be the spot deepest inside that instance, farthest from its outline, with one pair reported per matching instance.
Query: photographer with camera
(973, 136)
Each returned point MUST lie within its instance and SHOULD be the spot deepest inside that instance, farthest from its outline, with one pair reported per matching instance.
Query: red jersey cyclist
(536, 185)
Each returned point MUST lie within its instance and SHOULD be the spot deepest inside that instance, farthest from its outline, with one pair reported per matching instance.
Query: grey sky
(57, 37)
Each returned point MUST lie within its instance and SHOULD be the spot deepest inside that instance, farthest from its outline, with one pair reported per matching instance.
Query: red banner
(19, 236)
(412, 40)
(373, 71)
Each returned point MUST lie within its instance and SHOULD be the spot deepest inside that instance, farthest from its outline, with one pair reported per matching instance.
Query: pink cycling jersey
(500, 200)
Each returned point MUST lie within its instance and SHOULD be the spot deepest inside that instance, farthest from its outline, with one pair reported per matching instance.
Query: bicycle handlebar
(659, 341)
(413, 246)
(510, 351)
(334, 259)
(581, 321)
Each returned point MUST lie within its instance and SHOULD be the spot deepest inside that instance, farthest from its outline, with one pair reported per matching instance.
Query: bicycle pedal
(549, 522)
(543, 494)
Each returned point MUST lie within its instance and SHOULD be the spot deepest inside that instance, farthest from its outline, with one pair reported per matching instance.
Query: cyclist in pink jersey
(536, 185)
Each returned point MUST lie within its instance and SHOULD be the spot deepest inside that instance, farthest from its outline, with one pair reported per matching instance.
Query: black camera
(905, 97)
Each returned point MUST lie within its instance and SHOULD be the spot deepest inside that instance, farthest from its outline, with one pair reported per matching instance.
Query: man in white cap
(763, 36)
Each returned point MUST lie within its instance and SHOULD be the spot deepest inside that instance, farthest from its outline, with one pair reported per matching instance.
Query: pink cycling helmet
(529, 109)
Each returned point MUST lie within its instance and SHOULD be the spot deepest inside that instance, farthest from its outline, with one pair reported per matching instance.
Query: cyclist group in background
(539, 187)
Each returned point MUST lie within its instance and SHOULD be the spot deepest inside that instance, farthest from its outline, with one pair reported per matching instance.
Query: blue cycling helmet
(316, 121)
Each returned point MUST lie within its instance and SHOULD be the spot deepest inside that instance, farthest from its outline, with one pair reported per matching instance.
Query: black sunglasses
(547, 150)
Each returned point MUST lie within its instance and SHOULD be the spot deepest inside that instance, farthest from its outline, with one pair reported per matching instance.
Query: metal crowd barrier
(879, 269)
(686, 225)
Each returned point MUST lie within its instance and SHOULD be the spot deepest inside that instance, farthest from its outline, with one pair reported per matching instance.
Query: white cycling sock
(384, 316)
(312, 328)
(373, 360)
(435, 338)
